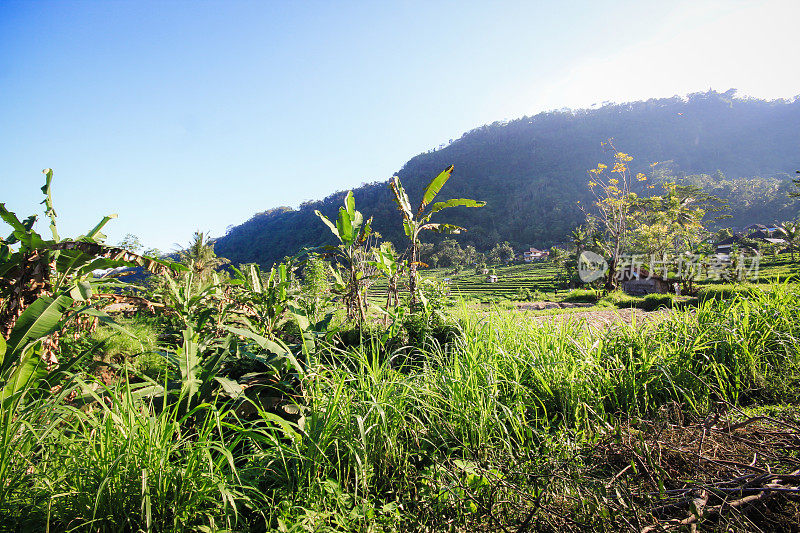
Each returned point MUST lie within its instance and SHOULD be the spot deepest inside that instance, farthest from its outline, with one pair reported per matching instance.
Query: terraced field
(541, 277)
(512, 280)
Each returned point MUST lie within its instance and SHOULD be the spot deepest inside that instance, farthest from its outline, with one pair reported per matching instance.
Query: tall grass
(122, 466)
(381, 445)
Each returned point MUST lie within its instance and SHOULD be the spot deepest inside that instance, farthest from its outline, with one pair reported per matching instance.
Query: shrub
(581, 296)
(651, 302)
(618, 299)
(725, 291)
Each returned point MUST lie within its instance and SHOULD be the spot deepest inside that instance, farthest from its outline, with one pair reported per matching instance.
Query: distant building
(754, 232)
(639, 282)
(491, 278)
(754, 227)
(534, 254)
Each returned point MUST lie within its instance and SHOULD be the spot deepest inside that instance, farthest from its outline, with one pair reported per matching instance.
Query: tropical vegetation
(347, 387)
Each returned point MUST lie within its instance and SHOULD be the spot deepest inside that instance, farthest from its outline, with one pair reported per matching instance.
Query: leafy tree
(130, 242)
(427, 254)
(722, 234)
(449, 253)
(415, 223)
(614, 205)
(502, 253)
(582, 237)
(470, 255)
(564, 262)
(676, 221)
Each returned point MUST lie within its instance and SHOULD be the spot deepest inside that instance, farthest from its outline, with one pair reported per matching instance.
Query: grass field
(514, 425)
(470, 417)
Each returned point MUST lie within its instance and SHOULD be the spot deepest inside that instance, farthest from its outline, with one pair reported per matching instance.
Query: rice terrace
(584, 318)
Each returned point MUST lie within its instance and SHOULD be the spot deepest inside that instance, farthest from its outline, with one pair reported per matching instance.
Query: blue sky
(183, 116)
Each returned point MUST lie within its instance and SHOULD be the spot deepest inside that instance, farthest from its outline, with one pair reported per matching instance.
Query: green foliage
(501, 254)
(675, 222)
(247, 412)
(353, 235)
(315, 288)
(131, 242)
(582, 296)
(485, 414)
(523, 294)
(40, 280)
(140, 339)
(265, 302)
(200, 257)
(651, 302)
(790, 232)
(725, 291)
(617, 299)
(448, 253)
(121, 467)
(415, 223)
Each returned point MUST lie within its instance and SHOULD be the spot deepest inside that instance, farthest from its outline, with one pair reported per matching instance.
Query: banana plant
(416, 222)
(791, 234)
(390, 266)
(206, 369)
(353, 235)
(40, 280)
(32, 266)
(268, 300)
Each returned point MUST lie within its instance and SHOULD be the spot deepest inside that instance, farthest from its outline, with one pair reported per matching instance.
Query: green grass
(474, 426)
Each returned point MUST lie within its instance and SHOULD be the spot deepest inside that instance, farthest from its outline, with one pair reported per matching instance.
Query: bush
(523, 294)
(618, 299)
(581, 296)
(725, 291)
(651, 302)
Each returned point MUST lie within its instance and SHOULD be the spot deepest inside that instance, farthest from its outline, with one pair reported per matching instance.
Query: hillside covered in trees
(532, 172)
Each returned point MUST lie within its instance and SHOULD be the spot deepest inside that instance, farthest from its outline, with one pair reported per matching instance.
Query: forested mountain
(532, 172)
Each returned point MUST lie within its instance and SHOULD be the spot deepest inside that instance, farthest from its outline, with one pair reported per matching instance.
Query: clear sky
(183, 116)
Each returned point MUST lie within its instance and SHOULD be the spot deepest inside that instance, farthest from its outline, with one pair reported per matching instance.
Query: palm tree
(200, 256)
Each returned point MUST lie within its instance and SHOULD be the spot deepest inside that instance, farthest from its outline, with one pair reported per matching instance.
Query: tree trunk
(412, 278)
(610, 284)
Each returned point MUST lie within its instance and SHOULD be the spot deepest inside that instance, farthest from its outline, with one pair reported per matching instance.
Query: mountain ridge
(532, 171)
